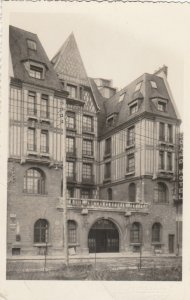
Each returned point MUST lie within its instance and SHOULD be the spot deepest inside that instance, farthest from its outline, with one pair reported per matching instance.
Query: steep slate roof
(68, 63)
(100, 100)
(145, 95)
(20, 53)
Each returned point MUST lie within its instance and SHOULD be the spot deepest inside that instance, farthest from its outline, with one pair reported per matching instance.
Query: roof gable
(20, 54)
(68, 63)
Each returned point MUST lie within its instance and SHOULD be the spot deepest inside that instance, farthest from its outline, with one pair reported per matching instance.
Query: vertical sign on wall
(180, 168)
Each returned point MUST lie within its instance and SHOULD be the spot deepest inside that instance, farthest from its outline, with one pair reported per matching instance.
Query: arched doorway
(103, 237)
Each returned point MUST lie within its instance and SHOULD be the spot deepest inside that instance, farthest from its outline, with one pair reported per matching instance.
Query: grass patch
(88, 272)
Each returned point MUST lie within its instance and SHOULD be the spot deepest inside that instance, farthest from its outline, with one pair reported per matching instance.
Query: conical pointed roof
(68, 63)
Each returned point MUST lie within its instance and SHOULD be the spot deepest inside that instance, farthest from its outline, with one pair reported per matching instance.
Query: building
(121, 156)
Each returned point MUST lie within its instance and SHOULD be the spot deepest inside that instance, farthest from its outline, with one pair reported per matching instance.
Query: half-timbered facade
(121, 152)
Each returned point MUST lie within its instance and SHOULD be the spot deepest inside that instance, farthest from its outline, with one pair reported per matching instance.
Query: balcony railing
(99, 204)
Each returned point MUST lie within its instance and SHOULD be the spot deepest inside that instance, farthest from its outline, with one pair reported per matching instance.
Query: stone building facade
(121, 153)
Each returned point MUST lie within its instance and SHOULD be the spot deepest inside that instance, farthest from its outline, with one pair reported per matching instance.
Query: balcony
(105, 205)
(88, 180)
(165, 174)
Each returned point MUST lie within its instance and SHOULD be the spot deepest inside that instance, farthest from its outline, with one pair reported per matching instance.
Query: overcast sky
(118, 41)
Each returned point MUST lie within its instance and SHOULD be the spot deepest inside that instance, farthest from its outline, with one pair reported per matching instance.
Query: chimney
(105, 87)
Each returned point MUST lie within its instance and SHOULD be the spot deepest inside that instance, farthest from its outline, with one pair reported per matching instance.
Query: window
(131, 136)
(70, 144)
(87, 171)
(161, 106)
(162, 192)
(70, 120)
(135, 233)
(32, 104)
(86, 194)
(87, 124)
(44, 148)
(153, 84)
(130, 163)
(31, 145)
(87, 147)
(161, 160)
(169, 161)
(70, 169)
(36, 72)
(132, 192)
(44, 106)
(15, 251)
(34, 181)
(70, 192)
(72, 232)
(161, 131)
(72, 91)
(138, 86)
(18, 237)
(170, 133)
(107, 171)
(121, 97)
(110, 121)
(41, 228)
(156, 233)
(31, 45)
(108, 146)
(133, 108)
(109, 194)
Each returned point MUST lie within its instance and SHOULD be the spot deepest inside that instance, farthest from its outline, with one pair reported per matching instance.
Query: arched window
(109, 194)
(136, 233)
(156, 233)
(162, 192)
(72, 232)
(41, 231)
(132, 192)
(34, 181)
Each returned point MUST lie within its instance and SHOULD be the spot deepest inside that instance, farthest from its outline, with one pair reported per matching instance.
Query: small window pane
(153, 84)
(31, 44)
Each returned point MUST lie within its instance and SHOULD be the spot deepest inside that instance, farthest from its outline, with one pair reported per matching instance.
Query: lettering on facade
(180, 168)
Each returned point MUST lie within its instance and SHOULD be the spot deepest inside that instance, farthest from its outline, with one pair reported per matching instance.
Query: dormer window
(133, 108)
(72, 91)
(138, 86)
(31, 45)
(110, 121)
(153, 84)
(162, 106)
(121, 97)
(36, 72)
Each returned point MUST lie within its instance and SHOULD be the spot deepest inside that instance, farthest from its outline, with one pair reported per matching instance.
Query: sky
(119, 41)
